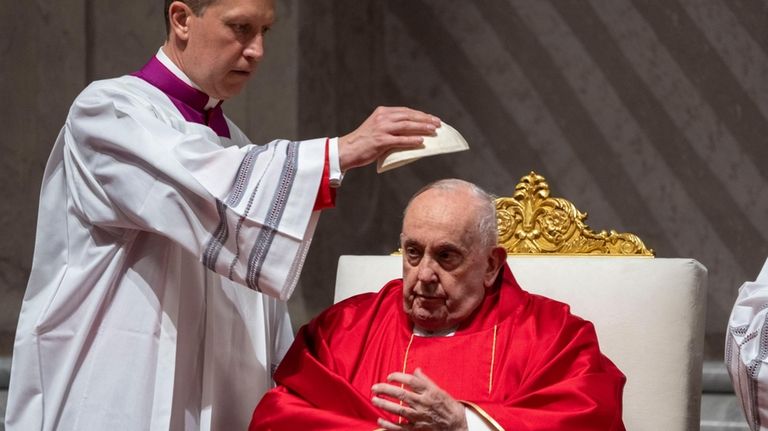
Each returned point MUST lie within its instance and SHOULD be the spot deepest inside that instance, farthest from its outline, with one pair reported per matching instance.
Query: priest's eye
(412, 254)
(240, 29)
(449, 259)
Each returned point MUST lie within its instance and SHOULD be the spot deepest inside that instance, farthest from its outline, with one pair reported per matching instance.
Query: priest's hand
(424, 405)
(387, 128)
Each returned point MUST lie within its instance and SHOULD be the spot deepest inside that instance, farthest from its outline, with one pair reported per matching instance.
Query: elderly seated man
(455, 344)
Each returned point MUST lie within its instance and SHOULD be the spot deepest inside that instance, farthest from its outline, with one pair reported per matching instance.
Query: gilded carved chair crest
(532, 222)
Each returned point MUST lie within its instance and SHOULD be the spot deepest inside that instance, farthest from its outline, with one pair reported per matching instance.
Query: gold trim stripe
(493, 357)
(405, 363)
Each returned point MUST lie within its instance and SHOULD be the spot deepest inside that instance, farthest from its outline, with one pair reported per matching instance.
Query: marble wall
(648, 114)
(42, 68)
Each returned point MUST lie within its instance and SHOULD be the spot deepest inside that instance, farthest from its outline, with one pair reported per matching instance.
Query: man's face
(225, 44)
(445, 270)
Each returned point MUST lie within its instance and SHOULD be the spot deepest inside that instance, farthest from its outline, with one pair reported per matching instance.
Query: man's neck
(169, 57)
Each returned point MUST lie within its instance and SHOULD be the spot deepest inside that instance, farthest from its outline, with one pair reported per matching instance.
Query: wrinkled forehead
(441, 212)
(438, 203)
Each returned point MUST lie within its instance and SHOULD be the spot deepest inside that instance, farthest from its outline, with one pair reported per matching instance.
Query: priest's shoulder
(552, 313)
(128, 89)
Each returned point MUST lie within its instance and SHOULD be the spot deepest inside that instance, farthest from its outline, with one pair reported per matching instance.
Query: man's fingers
(389, 425)
(395, 392)
(400, 113)
(403, 378)
(395, 408)
(401, 142)
(386, 129)
(411, 128)
(416, 384)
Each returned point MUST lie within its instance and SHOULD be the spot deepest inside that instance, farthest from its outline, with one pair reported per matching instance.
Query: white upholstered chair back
(648, 312)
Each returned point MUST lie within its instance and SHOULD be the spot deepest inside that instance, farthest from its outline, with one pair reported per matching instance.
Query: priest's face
(224, 44)
(446, 269)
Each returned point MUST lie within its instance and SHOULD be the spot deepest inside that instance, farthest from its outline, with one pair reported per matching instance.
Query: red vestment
(520, 360)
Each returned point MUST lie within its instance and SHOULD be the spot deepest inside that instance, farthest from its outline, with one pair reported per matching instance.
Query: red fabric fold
(544, 371)
(326, 195)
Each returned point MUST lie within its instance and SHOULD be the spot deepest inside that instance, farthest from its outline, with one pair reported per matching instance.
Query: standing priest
(455, 345)
(746, 350)
(164, 237)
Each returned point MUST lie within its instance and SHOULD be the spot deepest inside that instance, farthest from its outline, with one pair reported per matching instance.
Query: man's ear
(496, 259)
(179, 15)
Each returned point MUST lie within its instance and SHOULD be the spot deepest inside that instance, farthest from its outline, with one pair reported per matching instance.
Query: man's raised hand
(385, 129)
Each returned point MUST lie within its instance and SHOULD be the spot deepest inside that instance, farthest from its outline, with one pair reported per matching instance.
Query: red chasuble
(521, 361)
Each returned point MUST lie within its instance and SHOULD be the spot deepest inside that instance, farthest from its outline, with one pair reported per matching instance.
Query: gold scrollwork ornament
(532, 222)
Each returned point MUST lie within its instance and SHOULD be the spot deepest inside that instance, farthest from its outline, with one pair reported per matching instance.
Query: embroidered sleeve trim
(267, 233)
(221, 234)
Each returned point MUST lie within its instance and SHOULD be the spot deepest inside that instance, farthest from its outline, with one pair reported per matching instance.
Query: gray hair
(486, 226)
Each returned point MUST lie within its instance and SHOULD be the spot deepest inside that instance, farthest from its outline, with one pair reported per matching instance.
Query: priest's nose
(254, 50)
(427, 275)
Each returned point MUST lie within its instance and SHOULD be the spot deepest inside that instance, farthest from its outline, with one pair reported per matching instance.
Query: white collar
(163, 58)
(442, 333)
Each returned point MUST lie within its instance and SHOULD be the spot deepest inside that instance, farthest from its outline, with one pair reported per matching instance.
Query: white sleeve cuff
(335, 175)
(474, 421)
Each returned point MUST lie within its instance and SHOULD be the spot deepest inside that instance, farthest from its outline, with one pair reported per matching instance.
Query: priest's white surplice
(137, 315)
(746, 349)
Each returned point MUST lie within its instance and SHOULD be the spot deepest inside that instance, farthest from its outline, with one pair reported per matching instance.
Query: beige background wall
(649, 114)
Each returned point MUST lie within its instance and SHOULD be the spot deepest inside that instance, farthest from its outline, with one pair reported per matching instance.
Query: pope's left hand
(425, 406)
